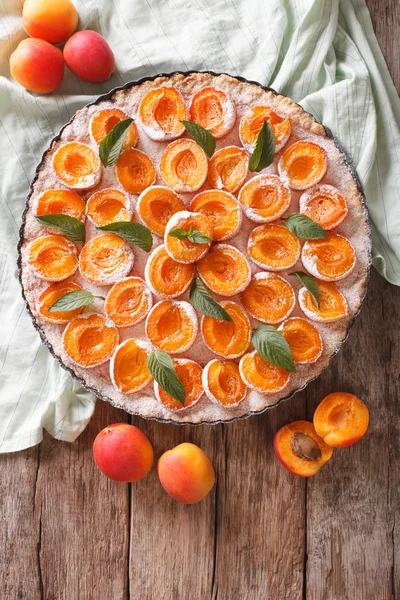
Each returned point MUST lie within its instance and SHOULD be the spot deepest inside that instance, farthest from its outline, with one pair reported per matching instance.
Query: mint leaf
(110, 147)
(310, 283)
(194, 236)
(162, 369)
(179, 233)
(304, 227)
(273, 347)
(72, 300)
(205, 303)
(135, 233)
(201, 136)
(264, 152)
(69, 226)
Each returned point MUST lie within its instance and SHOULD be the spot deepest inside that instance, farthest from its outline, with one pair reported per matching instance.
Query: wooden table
(69, 533)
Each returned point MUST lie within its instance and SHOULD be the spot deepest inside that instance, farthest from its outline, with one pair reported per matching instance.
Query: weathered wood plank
(385, 15)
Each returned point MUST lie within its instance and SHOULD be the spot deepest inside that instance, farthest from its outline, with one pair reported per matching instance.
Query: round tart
(165, 180)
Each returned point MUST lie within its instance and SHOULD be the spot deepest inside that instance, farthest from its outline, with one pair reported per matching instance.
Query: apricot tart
(220, 255)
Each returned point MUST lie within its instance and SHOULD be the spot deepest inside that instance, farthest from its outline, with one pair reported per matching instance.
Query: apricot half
(252, 122)
(300, 449)
(128, 302)
(184, 165)
(53, 293)
(302, 165)
(52, 257)
(172, 326)
(225, 270)
(105, 259)
(303, 338)
(108, 206)
(186, 251)
(213, 110)
(104, 120)
(264, 198)
(189, 374)
(228, 339)
(165, 276)
(258, 374)
(155, 207)
(135, 171)
(61, 202)
(269, 298)
(77, 165)
(221, 209)
(341, 419)
(128, 366)
(222, 383)
(325, 205)
(228, 168)
(333, 305)
(160, 112)
(273, 247)
(89, 340)
(330, 259)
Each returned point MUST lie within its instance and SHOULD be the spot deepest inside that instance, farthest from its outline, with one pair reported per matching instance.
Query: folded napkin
(322, 53)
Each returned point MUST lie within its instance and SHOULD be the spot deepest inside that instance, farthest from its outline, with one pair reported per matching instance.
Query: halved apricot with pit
(189, 374)
(172, 326)
(222, 383)
(228, 168)
(325, 205)
(186, 251)
(89, 340)
(330, 259)
(128, 302)
(273, 247)
(341, 419)
(165, 276)
(333, 305)
(303, 338)
(213, 110)
(77, 165)
(160, 112)
(156, 205)
(52, 257)
(108, 206)
(300, 449)
(61, 202)
(104, 120)
(221, 209)
(225, 270)
(53, 293)
(105, 259)
(252, 121)
(264, 198)
(184, 166)
(135, 171)
(302, 165)
(269, 298)
(260, 375)
(128, 367)
(228, 339)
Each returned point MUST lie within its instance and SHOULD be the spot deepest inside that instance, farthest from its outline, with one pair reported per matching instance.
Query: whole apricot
(89, 56)
(123, 453)
(37, 66)
(186, 473)
(50, 20)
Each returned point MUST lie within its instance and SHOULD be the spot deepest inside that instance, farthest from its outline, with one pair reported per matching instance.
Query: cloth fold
(322, 53)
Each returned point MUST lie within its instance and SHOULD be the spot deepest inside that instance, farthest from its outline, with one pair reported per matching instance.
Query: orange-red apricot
(104, 120)
(53, 293)
(252, 122)
(341, 419)
(128, 366)
(302, 165)
(225, 270)
(88, 55)
(37, 66)
(303, 338)
(165, 276)
(300, 449)
(89, 340)
(184, 165)
(135, 171)
(221, 209)
(258, 374)
(325, 205)
(77, 165)
(330, 259)
(228, 339)
(273, 247)
(228, 168)
(222, 383)
(172, 326)
(269, 298)
(105, 259)
(213, 110)
(264, 198)
(186, 251)
(160, 112)
(49, 20)
(108, 206)
(155, 207)
(333, 305)
(61, 202)
(128, 302)
(52, 257)
(189, 374)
